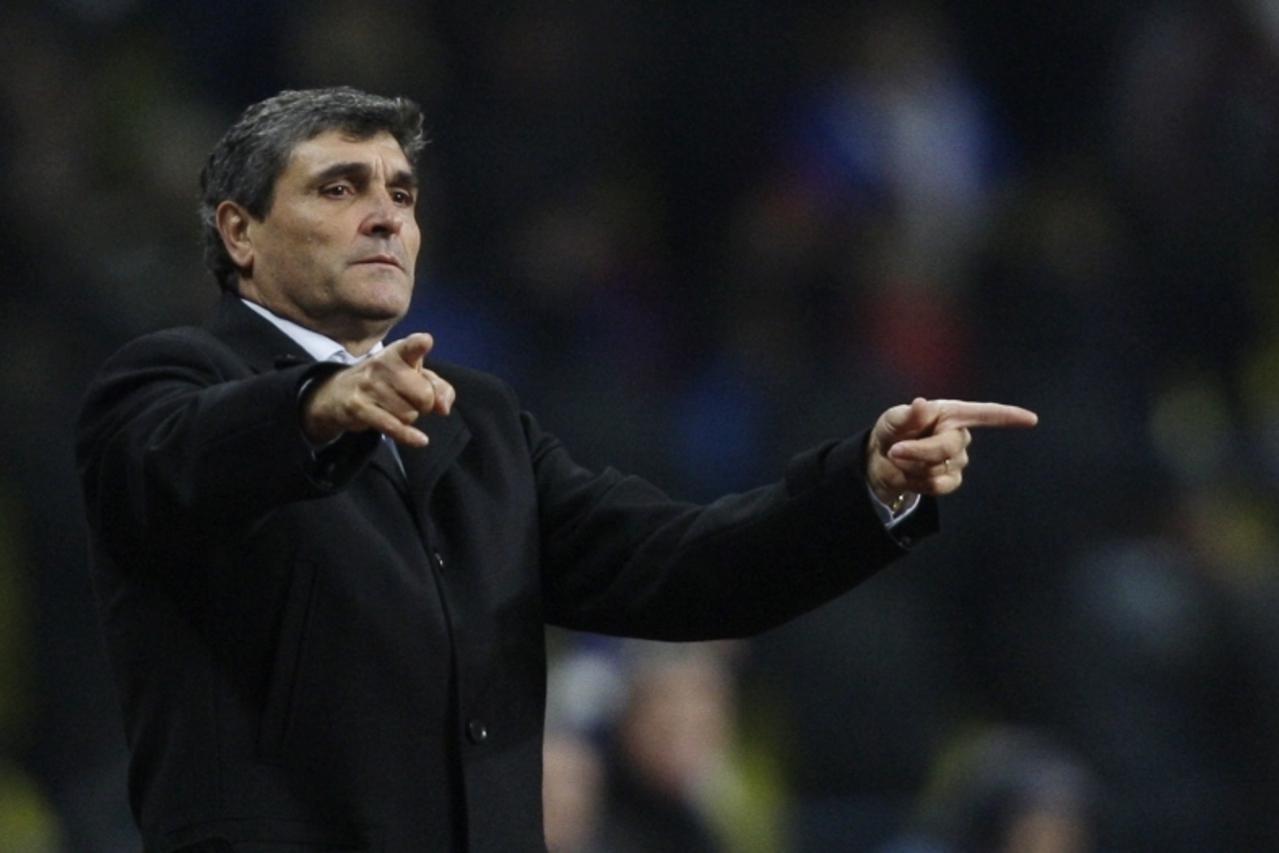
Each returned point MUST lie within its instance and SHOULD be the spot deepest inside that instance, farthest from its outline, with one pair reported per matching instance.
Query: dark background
(698, 237)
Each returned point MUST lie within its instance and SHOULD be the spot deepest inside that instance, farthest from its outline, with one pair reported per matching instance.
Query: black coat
(311, 650)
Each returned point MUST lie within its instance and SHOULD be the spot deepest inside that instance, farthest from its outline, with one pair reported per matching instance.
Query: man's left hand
(922, 448)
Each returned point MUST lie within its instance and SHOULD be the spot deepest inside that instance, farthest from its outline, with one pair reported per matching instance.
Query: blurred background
(698, 237)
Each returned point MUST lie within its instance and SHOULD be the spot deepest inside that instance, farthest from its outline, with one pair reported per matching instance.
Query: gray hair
(244, 165)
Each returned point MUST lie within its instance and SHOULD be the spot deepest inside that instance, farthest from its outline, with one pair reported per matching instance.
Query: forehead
(379, 152)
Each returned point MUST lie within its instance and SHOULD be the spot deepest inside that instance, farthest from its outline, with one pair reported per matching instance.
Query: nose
(385, 218)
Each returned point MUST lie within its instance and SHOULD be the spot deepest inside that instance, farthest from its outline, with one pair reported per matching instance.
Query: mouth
(384, 260)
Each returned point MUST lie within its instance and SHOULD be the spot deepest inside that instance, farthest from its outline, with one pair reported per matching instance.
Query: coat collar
(265, 348)
(261, 345)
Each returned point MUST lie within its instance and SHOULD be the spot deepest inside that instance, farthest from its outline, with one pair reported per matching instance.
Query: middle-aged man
(324, 564)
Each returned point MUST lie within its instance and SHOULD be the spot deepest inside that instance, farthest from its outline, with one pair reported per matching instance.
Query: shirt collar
(319, 347)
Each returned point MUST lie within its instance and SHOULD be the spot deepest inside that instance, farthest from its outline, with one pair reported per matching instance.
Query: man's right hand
(387, 392)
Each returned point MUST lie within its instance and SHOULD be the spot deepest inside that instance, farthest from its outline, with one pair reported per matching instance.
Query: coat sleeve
(620, 557)
(175, 430)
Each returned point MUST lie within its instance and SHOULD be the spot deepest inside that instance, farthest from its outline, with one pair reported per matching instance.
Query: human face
(336, 251)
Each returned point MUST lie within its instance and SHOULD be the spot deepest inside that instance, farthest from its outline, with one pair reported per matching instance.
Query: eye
(335, 190)
(403, 197)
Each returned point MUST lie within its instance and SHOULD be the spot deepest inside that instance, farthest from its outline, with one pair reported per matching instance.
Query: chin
(384, 312)
(383, 301)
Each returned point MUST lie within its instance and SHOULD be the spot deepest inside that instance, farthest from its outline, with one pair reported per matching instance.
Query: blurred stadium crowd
(698, 237)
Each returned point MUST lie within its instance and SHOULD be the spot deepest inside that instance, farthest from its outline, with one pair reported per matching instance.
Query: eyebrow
(357, 171)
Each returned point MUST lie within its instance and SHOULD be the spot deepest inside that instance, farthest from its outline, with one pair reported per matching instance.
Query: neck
(360, 346)
(357, 335)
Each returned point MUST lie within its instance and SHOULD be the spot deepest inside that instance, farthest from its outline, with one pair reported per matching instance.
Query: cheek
(412, 237)
(317, 253)
(303, 257)
(294, 246)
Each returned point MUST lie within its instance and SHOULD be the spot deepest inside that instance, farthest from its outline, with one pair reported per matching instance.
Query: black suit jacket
(314, 651)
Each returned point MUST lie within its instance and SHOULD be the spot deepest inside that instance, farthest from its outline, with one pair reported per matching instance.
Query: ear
(233, 225)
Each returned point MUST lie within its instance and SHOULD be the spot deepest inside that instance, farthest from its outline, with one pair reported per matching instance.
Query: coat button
(476, 731)
(439, 559)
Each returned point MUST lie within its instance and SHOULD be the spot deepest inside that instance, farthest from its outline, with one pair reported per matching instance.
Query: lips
(382, 259)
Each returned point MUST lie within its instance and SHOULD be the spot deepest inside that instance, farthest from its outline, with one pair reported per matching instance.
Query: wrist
(893, 498)
(318, 429)
(901, 502)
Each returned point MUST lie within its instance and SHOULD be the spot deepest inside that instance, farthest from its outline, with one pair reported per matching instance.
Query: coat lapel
(424, 465)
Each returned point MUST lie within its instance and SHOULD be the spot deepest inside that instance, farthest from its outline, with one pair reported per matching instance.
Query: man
(324, 563)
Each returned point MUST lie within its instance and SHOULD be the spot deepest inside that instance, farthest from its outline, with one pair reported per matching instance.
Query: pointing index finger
(960, 414)
(414, 348)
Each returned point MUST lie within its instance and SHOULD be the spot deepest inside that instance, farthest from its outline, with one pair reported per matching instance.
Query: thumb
(909, 421)
(414, 348)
